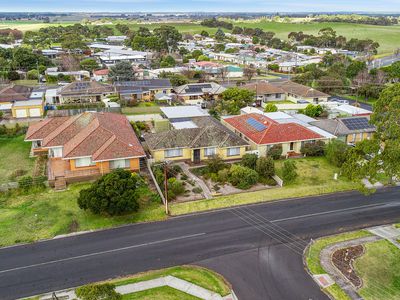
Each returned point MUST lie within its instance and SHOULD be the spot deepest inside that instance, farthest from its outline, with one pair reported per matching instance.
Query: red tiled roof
(101, 72)
(274, 133)
(103, 136)
(15, 93)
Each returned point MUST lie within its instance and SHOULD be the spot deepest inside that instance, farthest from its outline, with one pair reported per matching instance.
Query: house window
(233, 151)
(354, 137)
(56, 152)
(173, 153)
(291, 147)
(84, 162)
(37, 144)
(277, 96)
(120, 164)
(210, 151)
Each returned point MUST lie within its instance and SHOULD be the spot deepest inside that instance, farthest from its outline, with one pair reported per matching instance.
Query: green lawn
(27, 218)
(361, 99)
(14, 155)
(313, 261)
(142, 109)
(315, 178)
(30, 25)
(164, 293)
(379, 269)
(194, 274)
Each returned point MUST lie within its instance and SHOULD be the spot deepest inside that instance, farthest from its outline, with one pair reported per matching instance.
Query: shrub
(335, 152)
(175, 188)
(25, 182)
(197, 190)
(275, 151)
(104, 291)
(289, 173)
(265, 167)
(223, 175)
(312, 110)
(313, 149)
(113, 194)
(242, 177)
(214, 164)
(249, 161)
(184, 177)
(270, 107)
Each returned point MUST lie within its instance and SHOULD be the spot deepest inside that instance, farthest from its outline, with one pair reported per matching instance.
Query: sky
(200, 5)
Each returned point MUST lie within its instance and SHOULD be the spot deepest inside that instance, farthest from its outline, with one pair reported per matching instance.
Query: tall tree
(122, 71)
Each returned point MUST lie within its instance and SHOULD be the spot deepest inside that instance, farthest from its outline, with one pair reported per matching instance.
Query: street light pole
(166, 187)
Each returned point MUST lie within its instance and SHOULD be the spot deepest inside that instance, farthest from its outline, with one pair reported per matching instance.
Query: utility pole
(38, 74)
(166, 187)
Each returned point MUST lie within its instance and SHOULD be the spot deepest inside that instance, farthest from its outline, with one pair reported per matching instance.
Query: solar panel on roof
(255, 124)
(357, 123)
(193, 89)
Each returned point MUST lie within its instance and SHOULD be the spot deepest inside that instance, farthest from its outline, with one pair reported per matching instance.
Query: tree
(167, 62)
(380, 154)
(121, 71)
(203, 58)
(312, 110)
(249, 161)
(256, 40)
(175, 79)
(233, 99)
(72, 41)
(242, 177)
(215, 164)
(265, 167)
(354, 68)
(270, 107)
(335, 152)
(249, 73)
(32, 75)
(115, 193)
(204, 33)
(219, 35)
(289, 173)
(105, 291)
(89, 64)
(168, 37)
(275, 151)
(313, 149)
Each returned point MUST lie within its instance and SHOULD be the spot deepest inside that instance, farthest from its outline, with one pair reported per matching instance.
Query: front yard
(142, 108)
(315, 178)
(14, 158)
(45, 214)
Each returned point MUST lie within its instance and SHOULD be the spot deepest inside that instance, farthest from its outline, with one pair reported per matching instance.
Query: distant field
(387, 36)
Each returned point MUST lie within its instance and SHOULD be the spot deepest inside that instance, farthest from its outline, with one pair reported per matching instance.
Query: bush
(175, 188)
(313, 149)
(265, 167)
(184, 177)
(242, 177)
(25, 182)
(275, 152)
(270, 107)
(312, 110)
(289, 173)
(32, 75)
(113, 194)
(249, 161)
(335, 152)
(223, 175)
(105, 291)
(197, 190)
(215, 164)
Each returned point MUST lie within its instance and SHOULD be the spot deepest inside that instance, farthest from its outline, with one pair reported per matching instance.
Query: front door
(196, 156)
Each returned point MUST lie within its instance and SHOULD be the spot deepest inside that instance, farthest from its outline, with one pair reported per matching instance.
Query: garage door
(21, 113)
(34, 112)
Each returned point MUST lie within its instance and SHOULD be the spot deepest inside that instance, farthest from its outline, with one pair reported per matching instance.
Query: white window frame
(84, 162)
(120, 164)
(236, 151)
(170, 153)
(210, 151)
(56, 152)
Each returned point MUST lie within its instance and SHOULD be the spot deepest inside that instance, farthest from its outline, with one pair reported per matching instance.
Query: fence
(76, 111)
(149, 162)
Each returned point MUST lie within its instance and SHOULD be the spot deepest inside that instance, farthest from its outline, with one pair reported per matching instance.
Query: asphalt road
(257, 248)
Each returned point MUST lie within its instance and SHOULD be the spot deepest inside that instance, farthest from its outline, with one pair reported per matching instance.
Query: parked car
(340, 101)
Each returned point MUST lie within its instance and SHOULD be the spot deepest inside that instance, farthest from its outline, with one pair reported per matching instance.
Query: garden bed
(343, 260)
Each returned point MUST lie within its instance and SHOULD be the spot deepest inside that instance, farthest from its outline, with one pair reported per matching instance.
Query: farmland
(387, 36)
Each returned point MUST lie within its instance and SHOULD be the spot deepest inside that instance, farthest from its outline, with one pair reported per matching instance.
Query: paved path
(327, 265)
(173, 282)
(390, 233)
(206, 191)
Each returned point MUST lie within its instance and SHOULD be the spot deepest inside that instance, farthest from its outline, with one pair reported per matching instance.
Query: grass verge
(315, 178)
(194, 274)
(45, 214)
(313, 258)
(379, 267)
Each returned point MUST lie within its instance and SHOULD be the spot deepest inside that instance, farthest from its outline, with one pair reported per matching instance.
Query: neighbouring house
(182, 113)
(101, 75)
(263, 131)
(350, 130)
(195, 139)
(350, 110)
(21, 101)
(143, 90)
(284, 90)
(199, 93)
(83, 92)
(77, 75)
(85, 146)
